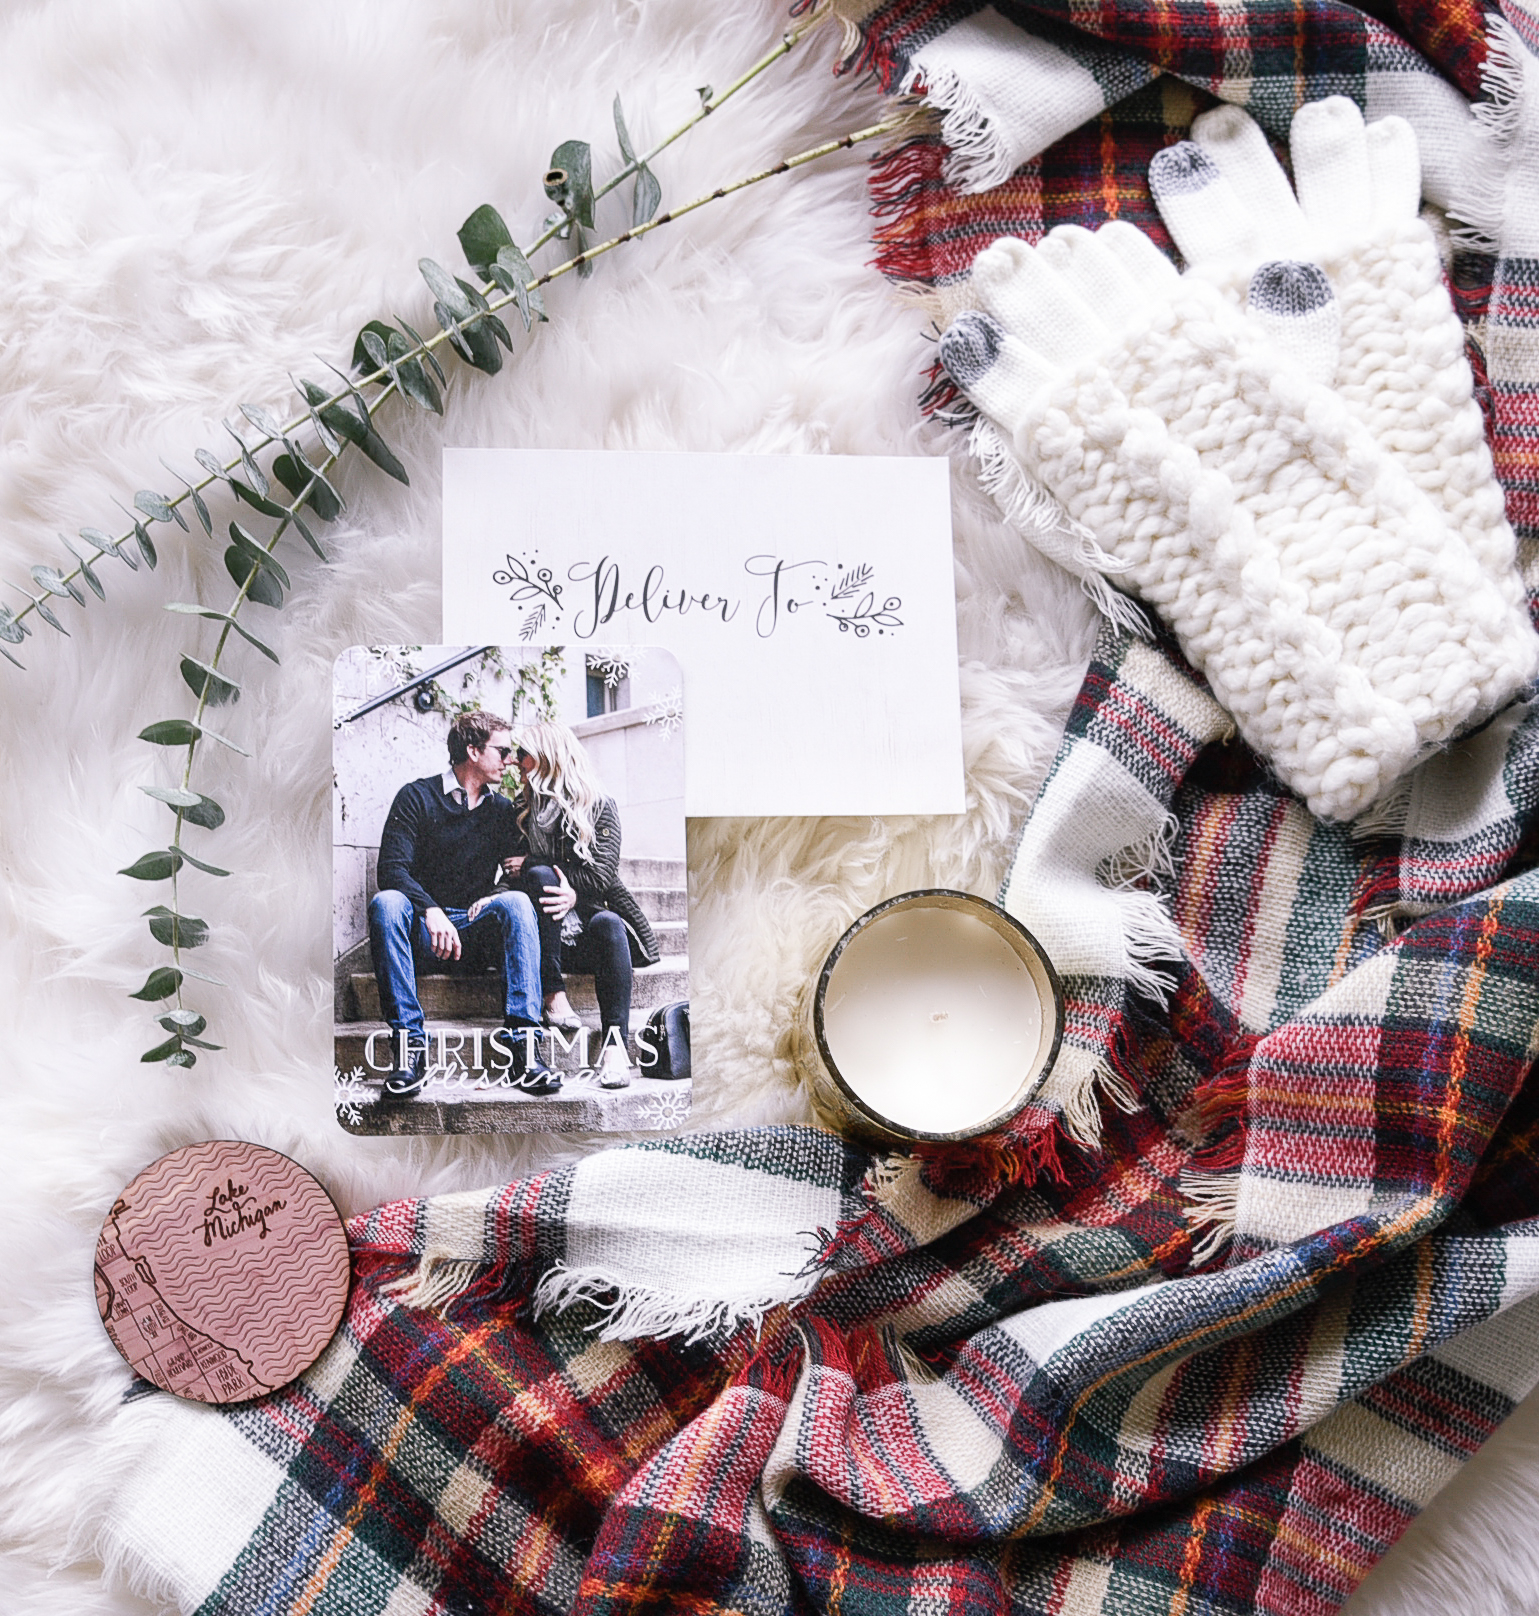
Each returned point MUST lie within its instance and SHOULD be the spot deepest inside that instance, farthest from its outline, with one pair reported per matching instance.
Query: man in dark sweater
(444, 839)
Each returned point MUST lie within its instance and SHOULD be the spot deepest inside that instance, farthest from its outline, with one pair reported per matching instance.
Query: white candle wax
(933, 1019)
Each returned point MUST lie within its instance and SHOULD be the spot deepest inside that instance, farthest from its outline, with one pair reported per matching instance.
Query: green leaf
(170, 1052)
(43, 611)
(223, 740)
(191, 609)
(9, 658)
(376, 328)
(172, 796)
(160, 865)
(206, 813)
(482, 236)
(198, 864)
(323, 499)
(418, 386)
(444, 288)
(258, 502)
(86, 571)
(195, 496)
(254, 476)
(171, 732)
(10, 630)
(210, 465)
(158, 508)
(53, 581)
(108, 546)
(262, 420)
(429, 358)
(174, 930)
(646, 198)
(187, 1038)
(202, 976)
(622, 134)
(375, 347)
(259, 585)
(307, 535)
(445, 317)
(146, 545)
(161, 983)
(208, 686)
(576, 159)
(259, 553)
(185, 1023)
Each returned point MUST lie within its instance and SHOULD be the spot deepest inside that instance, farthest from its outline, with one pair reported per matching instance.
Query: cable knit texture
(1320, 591)
(1401, 367)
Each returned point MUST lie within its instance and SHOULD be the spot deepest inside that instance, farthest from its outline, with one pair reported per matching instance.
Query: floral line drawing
(851, 583)
(865, 613)
(530, 582)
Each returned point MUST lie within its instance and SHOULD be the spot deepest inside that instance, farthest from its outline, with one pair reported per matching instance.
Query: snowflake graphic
(348, 1093)
(667, 712)
(613, 665)
(669, 1110)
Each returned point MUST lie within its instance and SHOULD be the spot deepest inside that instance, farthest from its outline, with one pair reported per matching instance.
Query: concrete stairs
(463, 1011)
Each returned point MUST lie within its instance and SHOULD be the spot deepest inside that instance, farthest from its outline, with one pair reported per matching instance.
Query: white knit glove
(1390, 343)
(1297, 563)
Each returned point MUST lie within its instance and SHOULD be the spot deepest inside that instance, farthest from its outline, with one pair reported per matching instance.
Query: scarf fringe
(436, 1283)
(992, 1160)
(630, 1312)
(1029, 508)
(1389, 816)
(1481, 205)
(1213, 1205)
(977, 159)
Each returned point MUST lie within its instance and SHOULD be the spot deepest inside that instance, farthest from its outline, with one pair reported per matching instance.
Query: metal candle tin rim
(967, 900)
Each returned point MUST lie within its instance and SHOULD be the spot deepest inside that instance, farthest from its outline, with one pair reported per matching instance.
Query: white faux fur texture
(196, 198)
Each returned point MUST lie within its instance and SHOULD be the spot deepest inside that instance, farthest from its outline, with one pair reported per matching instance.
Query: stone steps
(457, 998)
(652, 872)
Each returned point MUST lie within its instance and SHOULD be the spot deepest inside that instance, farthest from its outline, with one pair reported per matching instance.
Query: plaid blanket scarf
(1228, 1305)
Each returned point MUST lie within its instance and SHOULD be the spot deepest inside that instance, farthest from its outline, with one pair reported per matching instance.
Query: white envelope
(809, 599)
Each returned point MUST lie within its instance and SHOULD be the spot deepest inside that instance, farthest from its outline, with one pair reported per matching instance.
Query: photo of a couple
(495, 985)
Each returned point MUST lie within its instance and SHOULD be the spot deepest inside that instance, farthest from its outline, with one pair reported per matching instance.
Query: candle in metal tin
(936, 1016)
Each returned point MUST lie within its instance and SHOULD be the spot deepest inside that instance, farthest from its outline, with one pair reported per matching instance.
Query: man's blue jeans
(504, 933)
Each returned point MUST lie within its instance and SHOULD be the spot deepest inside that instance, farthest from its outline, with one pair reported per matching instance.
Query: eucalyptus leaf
(375, 348)
(193, 610)
(161, 983)
(198, 864)
(322, 498)
(444, 287)
(47, 578)
(171, 1052)
(210, 465)
(224, 740)
(10, 630)
(259, 553)
(418, 386)
(622, 134)
(258, 502)
(254, 476)
(445, 317)
(174, 930)
(380, 452)
(188, 1058)
(208, 686)
(576, 158)
(171, 732)
(202, 976)
(377, 328)
(485, 355)
(307, 535)
(207, 814)
(86, 570)
(428, 356)
(160, 865)
(183, 1057)
(195, 496)
(262, 420)
(47, 616)
(146, 545)
(158, 508)
(186, 1022)
(646, 198)
(108, 545)
(9, 658)
(482, 236)
(259, 584)
(172, 796)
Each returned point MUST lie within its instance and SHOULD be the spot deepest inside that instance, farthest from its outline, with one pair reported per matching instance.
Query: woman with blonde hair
(570, 867)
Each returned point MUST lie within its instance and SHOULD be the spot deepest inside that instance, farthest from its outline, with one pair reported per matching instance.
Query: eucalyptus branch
(389, 360)
(50, 582)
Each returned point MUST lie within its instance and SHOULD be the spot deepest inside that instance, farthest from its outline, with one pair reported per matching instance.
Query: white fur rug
(196, 198)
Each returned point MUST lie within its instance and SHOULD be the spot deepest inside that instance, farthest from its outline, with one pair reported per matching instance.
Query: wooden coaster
(222, 1271)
